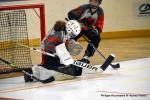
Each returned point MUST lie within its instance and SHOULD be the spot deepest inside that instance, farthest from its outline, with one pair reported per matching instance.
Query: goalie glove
(74, 48)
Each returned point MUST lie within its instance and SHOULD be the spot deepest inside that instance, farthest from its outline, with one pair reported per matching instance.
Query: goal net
(14, 31)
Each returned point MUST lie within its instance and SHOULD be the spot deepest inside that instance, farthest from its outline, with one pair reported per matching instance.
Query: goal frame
(41, 8)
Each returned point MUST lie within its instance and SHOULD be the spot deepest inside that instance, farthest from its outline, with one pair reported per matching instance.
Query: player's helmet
(73, 28)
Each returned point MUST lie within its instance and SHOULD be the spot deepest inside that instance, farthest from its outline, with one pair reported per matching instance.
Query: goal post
(41, 8)
(14, 30)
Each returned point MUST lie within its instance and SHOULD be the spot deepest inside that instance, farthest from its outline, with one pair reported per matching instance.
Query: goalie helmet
(73, 28)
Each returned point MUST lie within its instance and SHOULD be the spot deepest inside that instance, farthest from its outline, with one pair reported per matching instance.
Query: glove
(73, 16)
(87, 21)
(74, 49)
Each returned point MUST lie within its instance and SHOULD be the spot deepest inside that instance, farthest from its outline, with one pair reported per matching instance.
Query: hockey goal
(14, 30)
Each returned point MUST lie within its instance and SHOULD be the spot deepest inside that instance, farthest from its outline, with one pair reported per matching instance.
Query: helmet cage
(73, 28)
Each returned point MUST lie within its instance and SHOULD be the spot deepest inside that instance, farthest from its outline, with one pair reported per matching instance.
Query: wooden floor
(123, 48)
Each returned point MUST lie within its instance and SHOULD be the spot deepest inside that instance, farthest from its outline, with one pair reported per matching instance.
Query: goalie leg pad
(43, 74)
(36, 71)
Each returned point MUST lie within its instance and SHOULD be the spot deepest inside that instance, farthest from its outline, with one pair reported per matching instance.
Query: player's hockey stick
(113, 65)
(79, 63)
(12, 65)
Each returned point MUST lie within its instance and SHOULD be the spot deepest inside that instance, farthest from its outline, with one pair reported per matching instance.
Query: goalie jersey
(48, 44)
(52, 40)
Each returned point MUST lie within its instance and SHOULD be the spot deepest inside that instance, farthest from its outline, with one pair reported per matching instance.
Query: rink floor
(130, 82)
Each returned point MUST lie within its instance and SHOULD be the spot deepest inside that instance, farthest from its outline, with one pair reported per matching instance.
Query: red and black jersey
(88, 18)
(52, 40)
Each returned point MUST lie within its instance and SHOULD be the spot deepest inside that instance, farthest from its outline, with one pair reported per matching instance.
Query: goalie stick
(101, 68)
(12, 65)
(107, 62)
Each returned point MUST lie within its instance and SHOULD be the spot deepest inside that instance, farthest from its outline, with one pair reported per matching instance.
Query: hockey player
(61, 33)
(91, 17)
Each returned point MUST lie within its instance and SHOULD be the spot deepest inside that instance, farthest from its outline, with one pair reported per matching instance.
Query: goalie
(55, 42)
